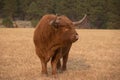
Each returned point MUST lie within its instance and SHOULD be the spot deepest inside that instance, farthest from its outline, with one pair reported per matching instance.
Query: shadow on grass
(78, 64)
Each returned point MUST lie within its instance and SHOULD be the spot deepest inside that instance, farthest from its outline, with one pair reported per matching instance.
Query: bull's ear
(82, 21)
(55, 22)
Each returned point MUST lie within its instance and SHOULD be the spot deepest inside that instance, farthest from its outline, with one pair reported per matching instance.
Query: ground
(95, 56)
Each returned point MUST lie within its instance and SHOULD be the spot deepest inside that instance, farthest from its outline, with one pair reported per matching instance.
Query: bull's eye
(66, 29)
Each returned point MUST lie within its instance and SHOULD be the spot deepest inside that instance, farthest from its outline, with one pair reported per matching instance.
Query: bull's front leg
(65, 59)
(44, 67)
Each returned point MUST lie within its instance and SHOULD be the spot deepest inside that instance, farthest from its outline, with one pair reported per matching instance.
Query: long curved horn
(80, 21)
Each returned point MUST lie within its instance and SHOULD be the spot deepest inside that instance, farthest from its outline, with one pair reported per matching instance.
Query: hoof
(64, 70)
(60, 71)
(44, 75)
(55, 76)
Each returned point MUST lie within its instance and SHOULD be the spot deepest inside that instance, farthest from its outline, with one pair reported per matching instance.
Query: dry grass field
(95, 56)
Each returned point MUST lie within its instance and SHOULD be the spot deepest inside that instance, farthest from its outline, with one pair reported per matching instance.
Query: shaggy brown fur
(53, 38)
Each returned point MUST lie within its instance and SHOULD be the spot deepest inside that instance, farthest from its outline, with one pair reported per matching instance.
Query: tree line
(102, 14)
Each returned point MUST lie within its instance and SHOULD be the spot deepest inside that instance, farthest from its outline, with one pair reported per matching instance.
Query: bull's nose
(77, 37)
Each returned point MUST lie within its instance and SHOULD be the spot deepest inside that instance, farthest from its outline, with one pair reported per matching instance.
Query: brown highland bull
(53, 38)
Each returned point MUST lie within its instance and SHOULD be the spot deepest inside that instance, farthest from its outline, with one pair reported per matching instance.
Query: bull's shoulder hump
(49, 16)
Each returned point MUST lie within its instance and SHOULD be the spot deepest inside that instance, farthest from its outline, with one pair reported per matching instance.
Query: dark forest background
(102, 14)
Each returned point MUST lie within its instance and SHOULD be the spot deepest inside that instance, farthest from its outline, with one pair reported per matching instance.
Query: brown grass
(95, 56)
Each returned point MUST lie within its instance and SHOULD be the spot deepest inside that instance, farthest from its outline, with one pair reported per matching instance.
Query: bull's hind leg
(58, 64)
(59, 68)
(43, 62)
(55, 61)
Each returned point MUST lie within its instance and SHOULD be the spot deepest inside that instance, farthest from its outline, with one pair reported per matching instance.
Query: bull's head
(56, 21)
(66, 28)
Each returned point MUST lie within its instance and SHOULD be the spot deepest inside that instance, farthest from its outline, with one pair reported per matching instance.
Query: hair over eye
(66, 29)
